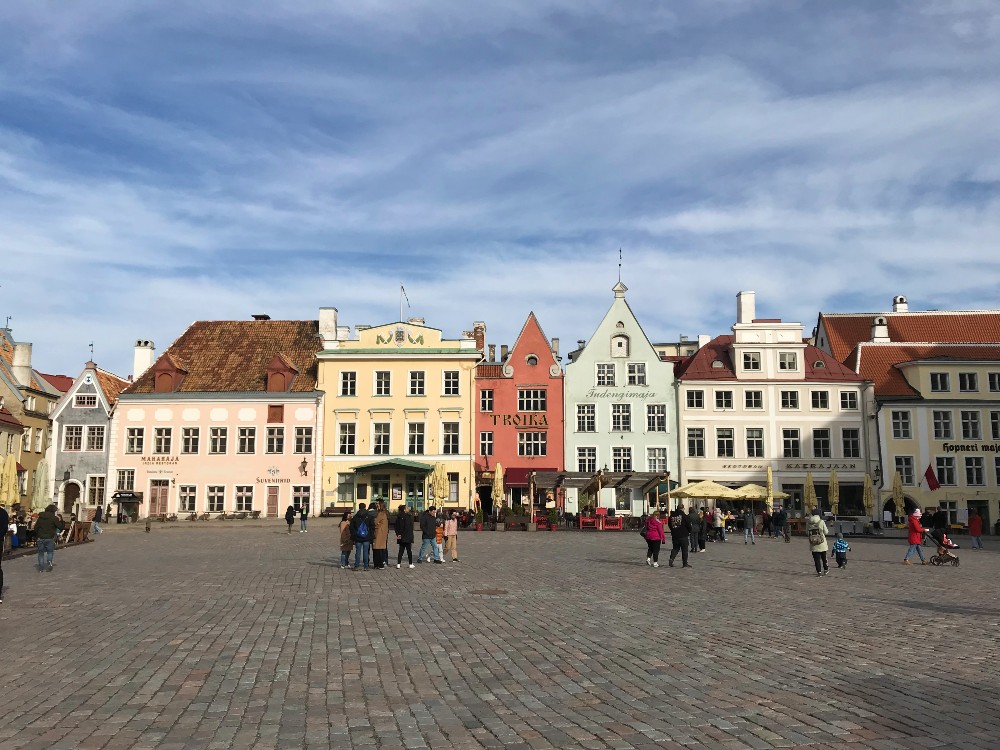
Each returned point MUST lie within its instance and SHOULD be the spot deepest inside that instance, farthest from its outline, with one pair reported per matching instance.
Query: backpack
(815, 535)
(643, 528)
(363, 529)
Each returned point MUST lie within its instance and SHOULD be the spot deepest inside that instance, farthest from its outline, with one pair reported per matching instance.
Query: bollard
(149, 524)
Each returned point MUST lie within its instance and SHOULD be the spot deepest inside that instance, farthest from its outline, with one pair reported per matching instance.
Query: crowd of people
(366, 533)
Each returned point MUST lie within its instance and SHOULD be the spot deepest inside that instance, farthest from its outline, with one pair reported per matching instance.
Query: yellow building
(399, 400)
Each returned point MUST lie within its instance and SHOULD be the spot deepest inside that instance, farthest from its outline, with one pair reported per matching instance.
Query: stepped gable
(234, 356)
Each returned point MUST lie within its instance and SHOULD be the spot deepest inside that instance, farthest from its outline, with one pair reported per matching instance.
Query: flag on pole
(931, 478)
(403, 290)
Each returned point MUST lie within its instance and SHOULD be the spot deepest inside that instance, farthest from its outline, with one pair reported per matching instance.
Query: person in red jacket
(915, 538)
(654, 538)
(976, 529)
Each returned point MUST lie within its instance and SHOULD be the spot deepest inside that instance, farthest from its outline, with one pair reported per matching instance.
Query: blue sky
(167, 162)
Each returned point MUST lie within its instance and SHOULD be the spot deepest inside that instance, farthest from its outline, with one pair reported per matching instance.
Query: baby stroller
(944, 549)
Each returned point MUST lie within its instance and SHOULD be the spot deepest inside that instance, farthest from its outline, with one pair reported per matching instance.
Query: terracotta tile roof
(489, 371)
(819, 366)
(226, 356)
(111, 385)
(9, 419)
(61, 383)
(879, 362)
(846, 331)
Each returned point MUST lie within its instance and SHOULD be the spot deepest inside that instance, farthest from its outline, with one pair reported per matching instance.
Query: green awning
(394, 463)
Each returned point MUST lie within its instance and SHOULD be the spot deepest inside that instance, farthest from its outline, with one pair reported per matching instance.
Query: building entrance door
(158, 491)
(70, 496)
(272, 501)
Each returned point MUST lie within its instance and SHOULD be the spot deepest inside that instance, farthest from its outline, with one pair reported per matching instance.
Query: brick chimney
(503, 353)
(493, 353)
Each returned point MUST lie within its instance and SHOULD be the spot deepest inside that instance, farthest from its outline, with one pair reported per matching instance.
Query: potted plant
(553, 519)
(479, 519)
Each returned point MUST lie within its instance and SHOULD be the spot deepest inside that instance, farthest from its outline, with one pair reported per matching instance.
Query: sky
(166, 162)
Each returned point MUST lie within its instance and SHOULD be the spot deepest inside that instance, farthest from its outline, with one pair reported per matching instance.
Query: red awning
(21, 468)
(518, 477)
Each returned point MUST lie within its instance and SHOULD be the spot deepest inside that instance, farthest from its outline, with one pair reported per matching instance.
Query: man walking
(695, 522)
(680, 530)
(4, 524)
(748, 524)
(976, 529)
(47, 526)
(361, 534)
(428, 531)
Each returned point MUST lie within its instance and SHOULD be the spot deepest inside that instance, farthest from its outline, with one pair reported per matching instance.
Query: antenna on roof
(8, 322)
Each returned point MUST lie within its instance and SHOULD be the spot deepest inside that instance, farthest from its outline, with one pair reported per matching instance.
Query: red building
(519, 417)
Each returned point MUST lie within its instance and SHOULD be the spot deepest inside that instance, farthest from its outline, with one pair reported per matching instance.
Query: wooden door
(158, 492)
(272, 501)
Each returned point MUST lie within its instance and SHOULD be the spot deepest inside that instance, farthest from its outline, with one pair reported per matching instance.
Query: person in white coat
(816, 532)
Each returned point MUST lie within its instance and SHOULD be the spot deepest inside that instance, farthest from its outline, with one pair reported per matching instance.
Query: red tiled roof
(819, 366)
(880, 362)
(225, 356)
(9, 419)
(489, 371)
(61, 383)
(111, 385)
(846, 331)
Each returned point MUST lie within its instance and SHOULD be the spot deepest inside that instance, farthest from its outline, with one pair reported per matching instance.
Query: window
(275, 413)
(789, 399)
(72, 438)
(134, 439)
(821, 443)
(531, 399)
(449, 445)
(619, 344)
(904, 465)
(790, 447)
(696, 442)
(29, 405)
(656, 417)
(637, 373)
(851, 438)
(189, 439)
(218, 440)
(755, 442)
(485, 443)
(345, 489)
(26, 439)
(946, 470)
(788, 361)
(126, 480)
(95, 437)
(586, 418)
(751, 360)
(451, 383)
(621, 459)
(656, 459)
(303, 439)
(348, 384)
(975, 471)
(486, 400)
(696, 399)
(994, 378)
(39, 434)
(996, 468)
(820, 400)
(300, 496)
(531, 443)
(415, 438)
(85, 401)
(724, 447)
(275, 439)
(723, 399)
(940, 382)
(383, 383)
(244, 498)
(968, 382)
(970, 426)
(621, 417)
(380, 441)
(848, 401)
(995, 425)
(417, 385)
(216, 498)
(186, 494)
(901, 425)
(605, 374)
(248, 440)
(347, 440)
(95, 490)
(586, 460)
(942, 425)
(754, 399)
(162, 437)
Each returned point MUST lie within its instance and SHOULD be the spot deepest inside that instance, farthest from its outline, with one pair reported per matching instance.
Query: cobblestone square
(233, 635)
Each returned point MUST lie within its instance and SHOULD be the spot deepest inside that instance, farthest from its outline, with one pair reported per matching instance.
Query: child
(439, 541)
(840, 550)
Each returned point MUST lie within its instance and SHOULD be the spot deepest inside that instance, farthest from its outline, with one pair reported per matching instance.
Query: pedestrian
(702, 529)
(290, 517)
(380, 542)
(680, 530)
(107, 514)
(451, 536)
(98, 517)
(654, 538)
(695, 524)
(976, 529)
(4, 525)
(346, 543)
(361, 535)
(47, 526)
(303, 517)
(915, 537)
(439, 540)
(719, 522)
(840, 550)
(427, 525)
(816, 531)
(765, 523)
(748, 523)
(404, 535)
(777, 521)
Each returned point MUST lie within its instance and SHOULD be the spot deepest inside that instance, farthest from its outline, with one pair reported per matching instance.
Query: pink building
(226, 420)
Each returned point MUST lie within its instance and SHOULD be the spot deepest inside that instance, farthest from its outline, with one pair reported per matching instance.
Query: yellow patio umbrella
(9, 491)
(496, 492)
(809, 495)
(834, 493)
(40, 496)
(439, 483)
(868, 497)
(897, 493)
(769, 500)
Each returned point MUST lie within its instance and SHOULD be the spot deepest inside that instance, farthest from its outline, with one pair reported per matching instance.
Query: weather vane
(619, 265)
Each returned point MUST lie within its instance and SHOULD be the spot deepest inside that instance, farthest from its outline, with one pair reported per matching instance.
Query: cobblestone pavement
(242, 636)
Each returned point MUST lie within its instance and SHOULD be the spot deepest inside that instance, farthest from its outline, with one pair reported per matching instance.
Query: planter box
(531, 526)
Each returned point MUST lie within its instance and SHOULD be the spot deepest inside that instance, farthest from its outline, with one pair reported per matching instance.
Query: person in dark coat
(290, 517)
(695, 522)
(47, 527)
(680, 530)
(4, 525)
(404, 535)
(362, 531)
(428, 531)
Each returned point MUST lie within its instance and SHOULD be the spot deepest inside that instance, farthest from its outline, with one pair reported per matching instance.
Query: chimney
(899, 304)
(361, 327)
(703, 339)
(142, 358)
(746, 303)
(479, 331)
(503, 353)
(880, 331)
(493, 353)
(343, 333)
(580, 343)
(328, 325)
(261, 316)
(21, 363)
(555, 348)
(416, 321)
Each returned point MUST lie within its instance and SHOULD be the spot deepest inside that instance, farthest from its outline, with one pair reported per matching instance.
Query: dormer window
(619, 346)
(167, 374)
(280, 374)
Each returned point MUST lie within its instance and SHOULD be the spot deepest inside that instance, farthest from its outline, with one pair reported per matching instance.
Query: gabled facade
(620, 414)
(519, 415)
